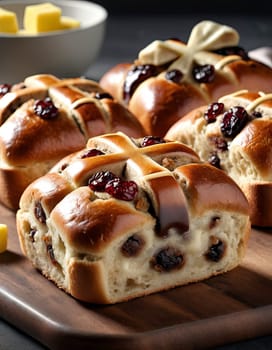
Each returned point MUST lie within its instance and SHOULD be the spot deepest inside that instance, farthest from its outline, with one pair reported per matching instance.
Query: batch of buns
(146, 180)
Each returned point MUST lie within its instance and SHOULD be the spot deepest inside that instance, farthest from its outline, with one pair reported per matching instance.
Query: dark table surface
(126, 34)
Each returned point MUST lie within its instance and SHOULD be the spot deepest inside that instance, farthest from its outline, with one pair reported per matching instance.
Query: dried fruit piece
(214, 109)
(216, 250)
(101, 95)
(50, 250)
(136, 76)
(106, 181)
(233, 121)
(256, 114)
(63, 167)
(167, 259)
(214, 160)
(204, 73)
(46, 108)
(91, 153)
(151, 140)
(132, 246)
(31, 234)
(39, 212)
(174, 75)
(98, 181)
(120, 189)
(233, 50)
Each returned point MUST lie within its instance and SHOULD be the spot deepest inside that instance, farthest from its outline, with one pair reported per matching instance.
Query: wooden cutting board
(227, 308)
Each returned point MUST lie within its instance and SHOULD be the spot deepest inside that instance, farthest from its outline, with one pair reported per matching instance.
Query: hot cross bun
(45, 118)
(235, 134)
(127, 217)
(169, 78)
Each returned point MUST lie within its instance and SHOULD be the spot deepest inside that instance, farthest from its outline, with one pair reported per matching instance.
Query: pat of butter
(68, 23)
(43, 17)
(8, 21)
(3, 237)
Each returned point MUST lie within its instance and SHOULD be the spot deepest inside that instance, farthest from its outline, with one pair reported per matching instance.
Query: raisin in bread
(235, 134)
(45, 118)
(170, 78)
(128, 217)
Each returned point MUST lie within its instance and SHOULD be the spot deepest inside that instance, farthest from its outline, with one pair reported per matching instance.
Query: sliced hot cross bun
(44, 119)
(170, 78)
(235, 134)
(127, 217)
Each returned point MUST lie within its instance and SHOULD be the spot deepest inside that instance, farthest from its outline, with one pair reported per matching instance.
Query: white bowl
(66, 53)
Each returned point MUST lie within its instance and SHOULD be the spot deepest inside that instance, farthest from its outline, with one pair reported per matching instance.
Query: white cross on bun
(127, 217)
(170, 78)
(36, 132)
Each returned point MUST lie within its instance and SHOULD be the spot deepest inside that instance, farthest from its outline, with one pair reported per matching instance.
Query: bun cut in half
(127, 217)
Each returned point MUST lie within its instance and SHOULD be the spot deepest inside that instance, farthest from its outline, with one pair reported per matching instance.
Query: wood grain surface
(224, 309)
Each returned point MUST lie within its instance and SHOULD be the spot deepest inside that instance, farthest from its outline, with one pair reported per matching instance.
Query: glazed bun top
(169, 78)
(44, 118)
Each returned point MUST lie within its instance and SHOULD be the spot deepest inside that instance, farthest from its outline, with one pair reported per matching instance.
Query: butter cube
(3, 237)
(8, 21)
(40, 18)
(68, 23)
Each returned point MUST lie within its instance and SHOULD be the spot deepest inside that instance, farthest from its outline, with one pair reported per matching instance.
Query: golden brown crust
(259, 196)
(251, 75)
(255, 140)
(186, 222)
(246, 156)
(159, 102)
(28, 140)
(11, 101)
(113, 79)
(8, 178)
(87, 282)
(47, 190)
(91, 119)
(88, 227)
(200, 178)
(121, 120)
(168, 102)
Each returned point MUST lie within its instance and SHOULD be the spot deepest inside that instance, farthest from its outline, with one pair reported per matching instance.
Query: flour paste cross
(205, 37)
(140, 165)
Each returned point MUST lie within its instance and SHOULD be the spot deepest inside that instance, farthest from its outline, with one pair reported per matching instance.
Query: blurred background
(190, 6)
(132, 25)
